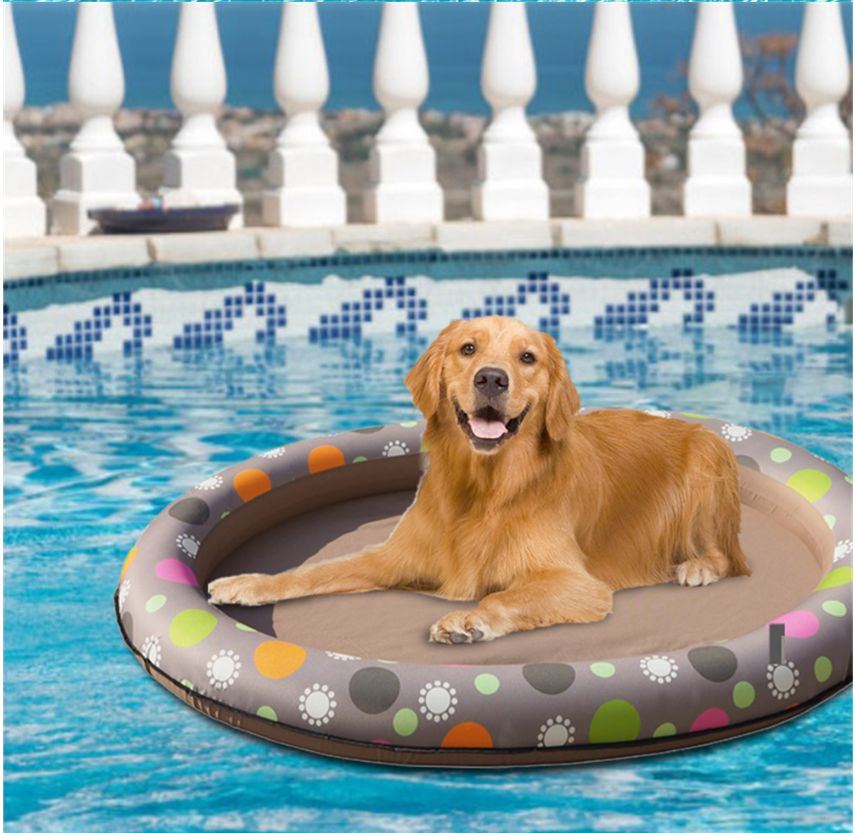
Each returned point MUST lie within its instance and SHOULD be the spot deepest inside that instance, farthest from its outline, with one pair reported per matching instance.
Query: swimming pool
(94, 449)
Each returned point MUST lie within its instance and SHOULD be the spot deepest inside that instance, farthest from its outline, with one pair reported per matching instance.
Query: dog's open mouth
(487, 428)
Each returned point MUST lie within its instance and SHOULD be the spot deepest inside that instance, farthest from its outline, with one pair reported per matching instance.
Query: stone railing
(303, 182)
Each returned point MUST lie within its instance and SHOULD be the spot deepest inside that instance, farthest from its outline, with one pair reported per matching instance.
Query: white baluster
(199, 169)
(511, 184)
(717, 184)
(23, 211)
(821, 184)
(403, 163)
(96, 173)
(303, 168)
(613, 157)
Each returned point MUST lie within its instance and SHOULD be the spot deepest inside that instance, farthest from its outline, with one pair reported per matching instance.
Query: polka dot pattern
(615, 721)
(276, 660)
(713, 662)
(539, 705)
(374, 690)
(549, 677)
(251, 483)
(325, 457)
(811, 484)
(710, 719)
(800, 624)
(190, 627)
(190, 510)
(171, 569)
(468, 736)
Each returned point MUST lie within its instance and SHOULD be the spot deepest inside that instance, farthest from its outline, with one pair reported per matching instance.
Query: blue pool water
(94, 450)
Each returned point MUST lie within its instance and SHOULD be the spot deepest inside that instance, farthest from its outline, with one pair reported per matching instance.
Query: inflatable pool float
(355, 675)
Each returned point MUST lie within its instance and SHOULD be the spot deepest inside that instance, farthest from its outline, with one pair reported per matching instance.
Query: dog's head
(496, 379)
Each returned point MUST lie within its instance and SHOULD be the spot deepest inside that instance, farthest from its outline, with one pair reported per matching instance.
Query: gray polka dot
(191, 510)
(128, 626)
(372, 429)
(373, 690)
(748, 462)
(713, 662)
(549, 677)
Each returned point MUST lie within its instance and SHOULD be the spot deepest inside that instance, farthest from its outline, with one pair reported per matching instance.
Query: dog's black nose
(491, 381)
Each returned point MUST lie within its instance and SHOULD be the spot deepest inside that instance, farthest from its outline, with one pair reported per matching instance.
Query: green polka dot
(187, 684)
(224, 515)
(155, 603)
(811, 484)
(267, 713)
(190, 627)
(487, 683)
(602, 669)
(781, 455)
(360, 459)
(743, 695)
(388, 661)
(408, 424)
(665, 730)
(822, 668)
(405, 722)
(695, 416)
(241, 627)
(424, 446)
(830, 520)
(834, 608)
(836, 578)
(615, 721)
(848, 479)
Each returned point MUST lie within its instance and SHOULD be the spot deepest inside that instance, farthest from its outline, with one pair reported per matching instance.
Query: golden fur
(541, 526)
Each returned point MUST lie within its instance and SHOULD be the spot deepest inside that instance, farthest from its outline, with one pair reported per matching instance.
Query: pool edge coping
(46, 256)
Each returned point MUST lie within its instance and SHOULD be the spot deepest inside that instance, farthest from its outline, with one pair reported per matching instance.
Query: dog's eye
(528, 358)
(467, 349)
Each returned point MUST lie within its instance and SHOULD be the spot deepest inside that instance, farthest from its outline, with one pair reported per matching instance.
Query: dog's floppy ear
(562, 401)
(423, 379)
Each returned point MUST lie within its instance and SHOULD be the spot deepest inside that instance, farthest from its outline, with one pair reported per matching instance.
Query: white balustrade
(303, 172)
(199, 169)
(403, 163)
(717, 184)
(303, 168)
(23, 211)
(97, 172)
(612, 157)
(510, 162)
(821, 184)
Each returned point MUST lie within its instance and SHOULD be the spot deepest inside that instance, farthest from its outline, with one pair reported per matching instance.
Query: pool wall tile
(264, 309)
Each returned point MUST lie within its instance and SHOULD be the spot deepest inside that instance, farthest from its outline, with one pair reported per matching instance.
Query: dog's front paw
(462, 626)
(249, 590)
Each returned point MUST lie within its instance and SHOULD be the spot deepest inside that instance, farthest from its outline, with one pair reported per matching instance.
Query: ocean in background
(454, 37)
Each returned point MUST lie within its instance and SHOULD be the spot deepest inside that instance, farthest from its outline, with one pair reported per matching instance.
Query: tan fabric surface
(785, 540)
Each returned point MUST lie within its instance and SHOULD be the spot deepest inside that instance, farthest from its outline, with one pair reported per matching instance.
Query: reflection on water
(94, 450)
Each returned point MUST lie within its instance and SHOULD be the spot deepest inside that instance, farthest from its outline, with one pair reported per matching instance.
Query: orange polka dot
(251, 483)
(468, 735)
(325, 457)
(278, 659)
(128, 561)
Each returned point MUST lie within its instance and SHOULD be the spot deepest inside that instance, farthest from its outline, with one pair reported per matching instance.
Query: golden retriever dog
(538, 513)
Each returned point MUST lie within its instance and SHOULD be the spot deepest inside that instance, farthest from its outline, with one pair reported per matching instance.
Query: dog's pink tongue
(487, 429)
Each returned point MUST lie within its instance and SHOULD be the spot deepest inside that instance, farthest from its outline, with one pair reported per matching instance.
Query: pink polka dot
(384, 742)
(171, 569)
(710, 719)
(800, 624)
